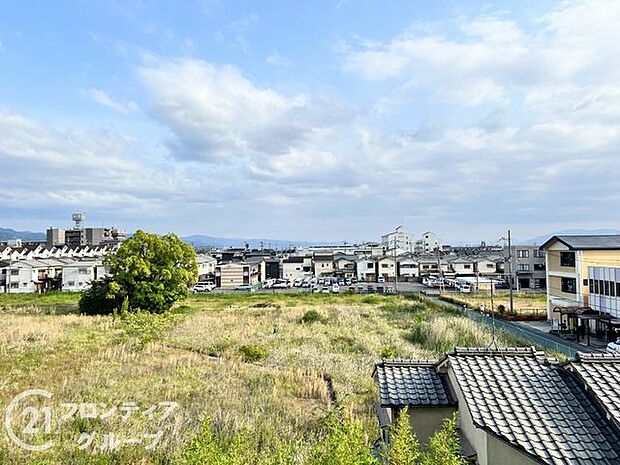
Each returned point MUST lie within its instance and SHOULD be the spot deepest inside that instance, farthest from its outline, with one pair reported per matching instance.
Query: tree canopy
(151, 271)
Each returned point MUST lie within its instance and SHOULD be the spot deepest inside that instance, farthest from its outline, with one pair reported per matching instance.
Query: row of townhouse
(49, 274)
(33, 251)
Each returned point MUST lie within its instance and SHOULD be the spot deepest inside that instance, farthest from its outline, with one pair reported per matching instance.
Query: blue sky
(332, 120)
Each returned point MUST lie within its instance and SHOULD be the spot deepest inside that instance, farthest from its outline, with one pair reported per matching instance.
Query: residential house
(206, 267)
(35, 276)
(408, 268)
(323, 264)
(270, 269)
(296, 268)
(366, 269)
(344, 265)
(398, 242)
(515, 406)
(462, 266)
(582, 271)
(431, 265)
(386, 268)
(485, 266)
(79, 275)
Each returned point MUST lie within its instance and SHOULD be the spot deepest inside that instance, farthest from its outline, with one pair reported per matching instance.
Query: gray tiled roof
(539, 408)
(588, 242)
(601, 374)
(412, 383)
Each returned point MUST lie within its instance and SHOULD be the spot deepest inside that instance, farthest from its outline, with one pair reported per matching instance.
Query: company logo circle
(34, 415)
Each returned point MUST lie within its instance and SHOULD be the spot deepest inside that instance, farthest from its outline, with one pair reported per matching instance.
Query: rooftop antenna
(78, 218)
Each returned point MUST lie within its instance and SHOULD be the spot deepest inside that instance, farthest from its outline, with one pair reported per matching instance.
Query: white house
(408, 267)
(206, 266)
(294, 268)
(386, 267)
(366, 269)
(79, 275)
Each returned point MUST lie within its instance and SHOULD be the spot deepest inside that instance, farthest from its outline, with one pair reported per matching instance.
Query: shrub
(501, 308)
(344, 444)
(143, 327)
(252, 352)
(311, 316)
(98, 300)
(444, 447)
(404, 447)
(388, 352)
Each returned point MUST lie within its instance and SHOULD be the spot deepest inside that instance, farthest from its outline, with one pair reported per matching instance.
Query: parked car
(390, 290)
(341, 282)
(348, 281)
(203, 287)
(335, 288)
(325, 290)
(614, 347)
(243, 287)
(297, 283)
(381, 279)
(361, 289)
(321, 281)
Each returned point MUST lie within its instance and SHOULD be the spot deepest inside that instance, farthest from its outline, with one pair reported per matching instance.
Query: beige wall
(500, 453)
(426, 421)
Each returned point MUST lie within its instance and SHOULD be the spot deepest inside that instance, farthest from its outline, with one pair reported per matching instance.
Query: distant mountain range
(200, 240)
(541, 239)
(197, 240)
(7, 234)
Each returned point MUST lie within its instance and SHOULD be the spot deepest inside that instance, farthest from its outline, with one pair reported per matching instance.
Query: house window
(371, 265)
(569, 285)
(14, 272)
(523, 254)
(539, 254)
(523, 267)
(567, 259)
(14, 285)
(467, 267)
(539, 267)
(591, 286)
(71, 283)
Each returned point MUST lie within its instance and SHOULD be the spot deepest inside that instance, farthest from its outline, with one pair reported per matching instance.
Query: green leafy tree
(98, 300)
(444, 446)
(152, 271)
(404, 448)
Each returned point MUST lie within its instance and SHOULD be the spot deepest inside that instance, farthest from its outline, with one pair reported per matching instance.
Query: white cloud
(579, 40)
(275, 59)
(216, 113)
(106, 100)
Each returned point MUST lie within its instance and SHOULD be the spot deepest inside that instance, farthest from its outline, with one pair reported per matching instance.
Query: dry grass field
(530, 303)
(271, 365)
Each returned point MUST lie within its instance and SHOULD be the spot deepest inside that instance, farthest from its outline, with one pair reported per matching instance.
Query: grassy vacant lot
(525, 303)
(256, 363)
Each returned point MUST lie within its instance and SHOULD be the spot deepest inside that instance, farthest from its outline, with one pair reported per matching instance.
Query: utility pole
(510, 272)
(395, 272)
(494, 334)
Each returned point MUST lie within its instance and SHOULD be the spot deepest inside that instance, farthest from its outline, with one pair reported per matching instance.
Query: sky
(324, 120)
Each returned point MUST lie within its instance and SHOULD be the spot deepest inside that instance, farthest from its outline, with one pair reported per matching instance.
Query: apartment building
(399, 241)
(233, 274)
(429, 243)
(582, 271)
(529, 267)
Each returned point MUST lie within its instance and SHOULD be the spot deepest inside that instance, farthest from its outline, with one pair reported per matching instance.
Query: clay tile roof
(520, 396)
(412, 383)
